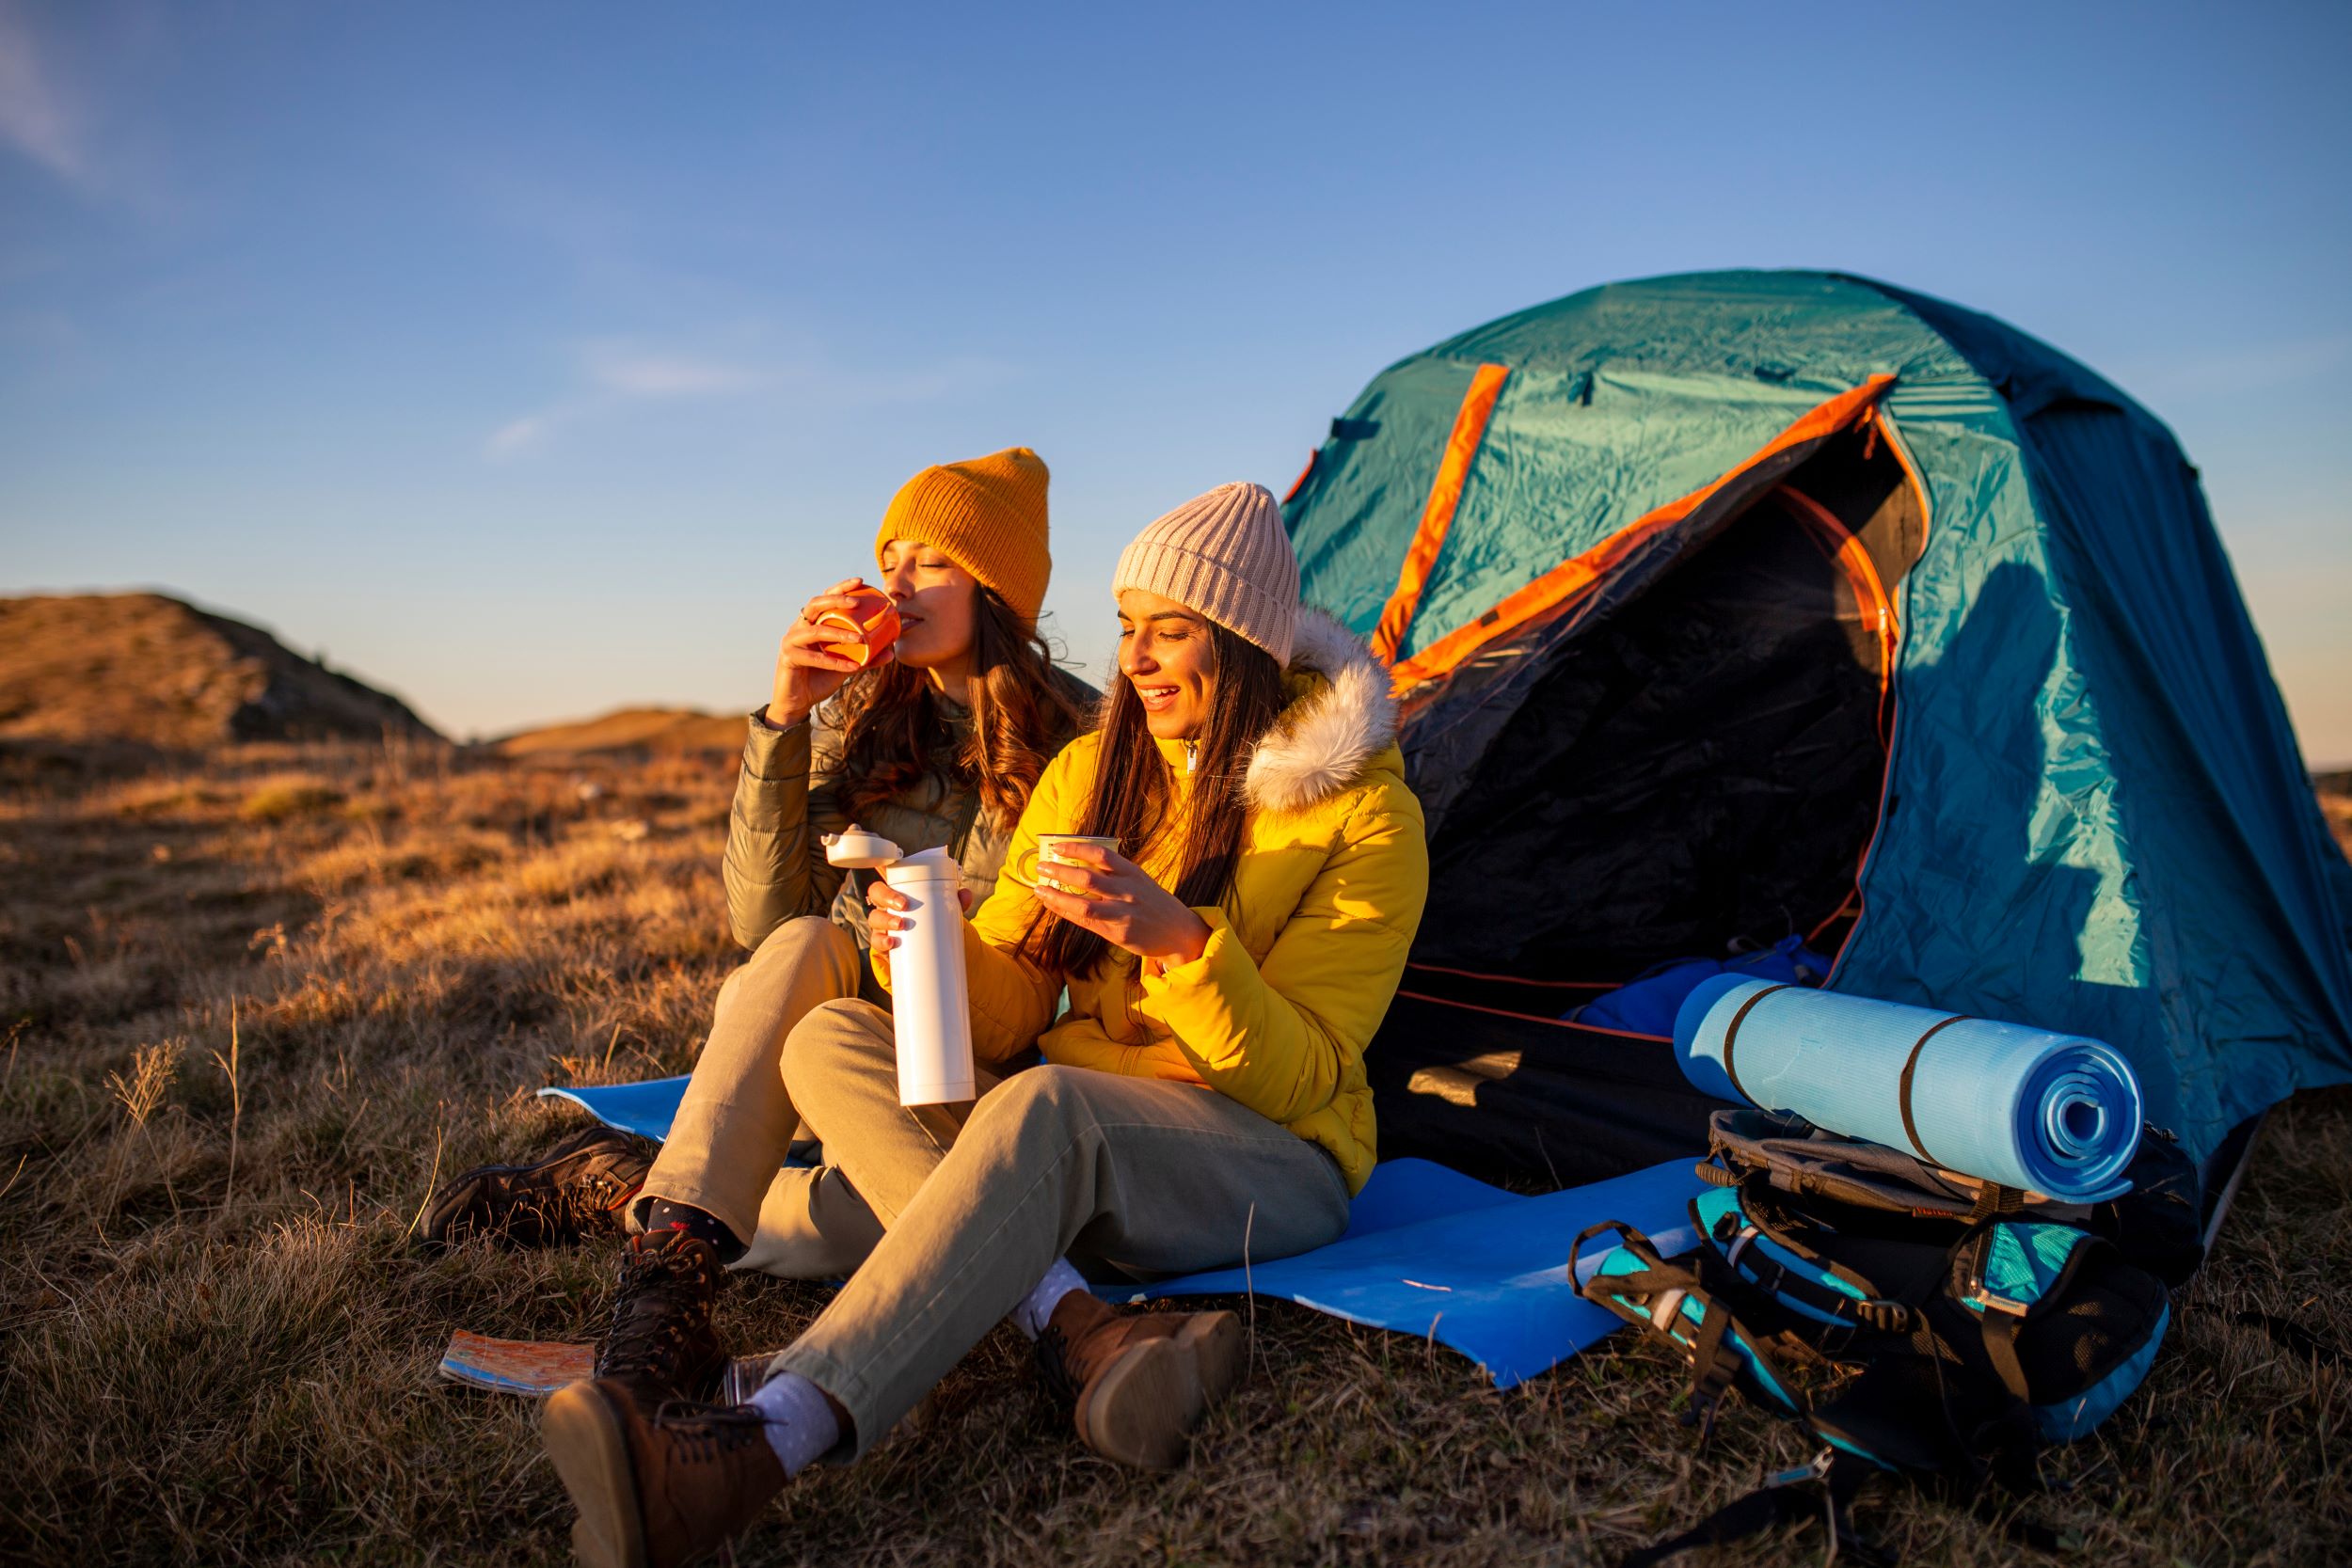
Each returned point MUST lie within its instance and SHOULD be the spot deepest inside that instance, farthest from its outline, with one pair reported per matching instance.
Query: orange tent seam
(1579, 574)
(1437, 513)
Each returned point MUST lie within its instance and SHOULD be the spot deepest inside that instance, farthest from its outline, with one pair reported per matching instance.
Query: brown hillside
(2335, 800)
(637, 731)
(148, 669)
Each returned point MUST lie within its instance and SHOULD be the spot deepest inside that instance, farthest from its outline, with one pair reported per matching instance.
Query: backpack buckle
(1818, 1469)
(1981, 1297)
(1887, 1317)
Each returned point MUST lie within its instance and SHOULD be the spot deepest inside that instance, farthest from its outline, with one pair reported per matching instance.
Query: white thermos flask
(930, 1002)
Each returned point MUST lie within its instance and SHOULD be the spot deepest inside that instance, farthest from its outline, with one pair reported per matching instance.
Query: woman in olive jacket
(937, 740)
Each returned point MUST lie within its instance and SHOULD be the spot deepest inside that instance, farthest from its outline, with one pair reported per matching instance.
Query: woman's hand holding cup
(1109, 895)
(807, 672)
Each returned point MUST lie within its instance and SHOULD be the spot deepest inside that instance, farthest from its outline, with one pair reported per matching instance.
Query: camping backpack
(1911, 1323)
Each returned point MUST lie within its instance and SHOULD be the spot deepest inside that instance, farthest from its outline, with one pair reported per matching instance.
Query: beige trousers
(727, 1146)
(975, 1201)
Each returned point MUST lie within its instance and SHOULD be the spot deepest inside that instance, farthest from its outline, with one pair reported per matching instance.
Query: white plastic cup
(1029, 868)
(930, 1000)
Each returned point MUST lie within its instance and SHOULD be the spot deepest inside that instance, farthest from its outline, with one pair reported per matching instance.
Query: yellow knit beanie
(988, 514)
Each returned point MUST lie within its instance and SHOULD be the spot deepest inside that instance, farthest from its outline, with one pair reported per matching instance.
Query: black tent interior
(1688, 762)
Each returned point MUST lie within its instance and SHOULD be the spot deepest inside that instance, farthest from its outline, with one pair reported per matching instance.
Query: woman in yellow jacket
(1202, 1100)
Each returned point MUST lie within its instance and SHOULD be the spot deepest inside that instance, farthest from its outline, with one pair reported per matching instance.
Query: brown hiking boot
(660, 1490)
(1139, 1383)
(662, 1344)
(573, 1191)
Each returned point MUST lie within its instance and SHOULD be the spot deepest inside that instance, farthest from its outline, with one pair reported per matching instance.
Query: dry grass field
(250, 1006)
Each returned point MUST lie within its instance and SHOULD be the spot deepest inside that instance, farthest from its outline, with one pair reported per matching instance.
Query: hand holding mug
(807, 672)
(1032, 865)
(1107, 894)
(884, 922)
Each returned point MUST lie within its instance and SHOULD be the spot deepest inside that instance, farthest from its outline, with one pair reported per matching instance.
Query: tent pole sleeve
(1579, 574)
(1437, 513)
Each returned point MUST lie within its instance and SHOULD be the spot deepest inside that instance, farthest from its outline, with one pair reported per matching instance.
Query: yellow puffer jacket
(1301, 962)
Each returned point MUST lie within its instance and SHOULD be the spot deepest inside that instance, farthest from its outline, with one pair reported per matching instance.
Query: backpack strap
(1628, 1238)
(1803, 1161)
(1714, 1368)
(1731, 1035)
(1902, 1086)
(2000, 1348)
(2293, 1336)
(1715, 1357)
(1993, 1200)
(2009, 1439)
(1824, 1489)
(1875, 1308)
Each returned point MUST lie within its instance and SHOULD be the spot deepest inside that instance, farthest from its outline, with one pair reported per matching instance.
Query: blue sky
(534, 360)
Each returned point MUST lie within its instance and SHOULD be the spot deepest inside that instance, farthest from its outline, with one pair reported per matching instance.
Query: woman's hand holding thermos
(883, 904)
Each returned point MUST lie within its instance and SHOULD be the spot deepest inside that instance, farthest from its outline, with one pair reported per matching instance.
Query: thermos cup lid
(859, 849)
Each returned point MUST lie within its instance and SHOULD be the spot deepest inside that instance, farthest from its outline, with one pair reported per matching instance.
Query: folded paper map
(543, 1366)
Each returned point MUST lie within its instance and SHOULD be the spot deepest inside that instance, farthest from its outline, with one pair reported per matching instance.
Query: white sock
(801, 1425)
(1039, 1303)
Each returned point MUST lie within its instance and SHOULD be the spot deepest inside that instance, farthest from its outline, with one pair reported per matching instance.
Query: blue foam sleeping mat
(1427, 1250)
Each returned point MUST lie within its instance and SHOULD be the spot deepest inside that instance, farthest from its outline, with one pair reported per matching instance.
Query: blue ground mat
(1431, 1253)
(1427, 1251)
(645, 1109)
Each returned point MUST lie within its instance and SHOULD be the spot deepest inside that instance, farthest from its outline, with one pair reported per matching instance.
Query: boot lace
(661, 1293)
(572, 1207)
(1054, 1366)
(710, 1432)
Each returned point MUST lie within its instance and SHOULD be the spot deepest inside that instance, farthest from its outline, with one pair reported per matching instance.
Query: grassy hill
(641, 732)
(145, 668)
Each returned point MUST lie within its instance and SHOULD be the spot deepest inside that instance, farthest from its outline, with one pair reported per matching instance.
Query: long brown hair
(1024, 708)
(1130, 796)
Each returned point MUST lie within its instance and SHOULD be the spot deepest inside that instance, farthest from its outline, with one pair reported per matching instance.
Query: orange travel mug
(869, 626)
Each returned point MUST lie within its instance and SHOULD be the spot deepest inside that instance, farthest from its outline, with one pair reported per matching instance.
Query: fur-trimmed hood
(1345, 717)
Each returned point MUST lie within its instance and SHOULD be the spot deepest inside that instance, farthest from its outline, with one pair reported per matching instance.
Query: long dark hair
(1130, 796)
(1024, 709)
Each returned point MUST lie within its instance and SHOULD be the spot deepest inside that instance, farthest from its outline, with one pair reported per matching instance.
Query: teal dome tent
(1745, 606)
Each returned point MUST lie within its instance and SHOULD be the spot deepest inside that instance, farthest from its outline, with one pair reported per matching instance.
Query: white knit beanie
(1225, 555)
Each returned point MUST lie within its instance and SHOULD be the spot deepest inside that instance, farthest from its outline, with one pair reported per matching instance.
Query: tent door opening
(1692, 763)
(1691, 758)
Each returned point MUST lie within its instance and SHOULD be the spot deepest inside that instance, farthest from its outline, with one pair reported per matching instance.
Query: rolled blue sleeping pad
(2023, 1108)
